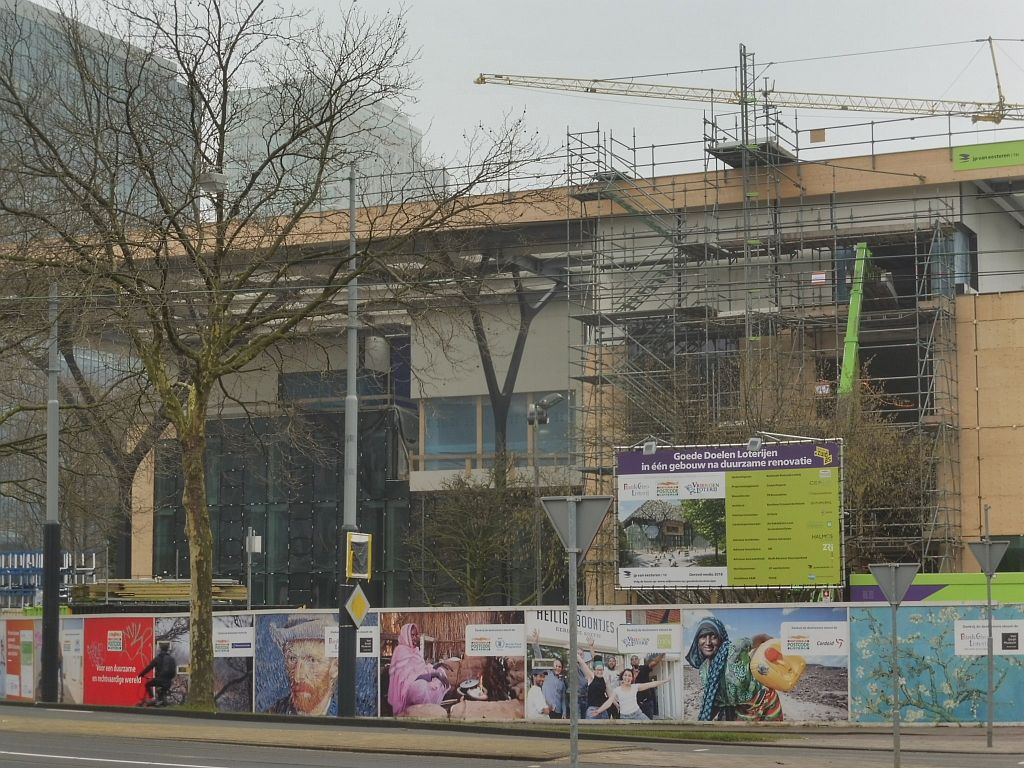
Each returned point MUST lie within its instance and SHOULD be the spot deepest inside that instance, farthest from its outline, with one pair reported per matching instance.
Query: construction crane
(978, 111)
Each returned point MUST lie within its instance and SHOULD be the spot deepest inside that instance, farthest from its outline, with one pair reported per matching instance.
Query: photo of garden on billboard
(723, 516)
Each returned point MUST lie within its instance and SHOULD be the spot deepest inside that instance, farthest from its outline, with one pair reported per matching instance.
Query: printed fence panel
(942, 664)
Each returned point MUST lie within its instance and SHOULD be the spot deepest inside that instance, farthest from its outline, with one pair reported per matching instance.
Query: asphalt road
(100, 752)
(27, 751)
(41, 738)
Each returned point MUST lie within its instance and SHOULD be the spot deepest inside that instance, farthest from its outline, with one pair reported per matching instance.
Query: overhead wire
(824, 57)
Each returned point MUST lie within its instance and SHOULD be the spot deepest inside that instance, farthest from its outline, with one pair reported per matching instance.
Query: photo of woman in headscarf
(730, 690)
(411, 679)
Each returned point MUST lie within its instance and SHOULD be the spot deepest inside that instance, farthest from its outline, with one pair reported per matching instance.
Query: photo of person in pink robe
(411, 679)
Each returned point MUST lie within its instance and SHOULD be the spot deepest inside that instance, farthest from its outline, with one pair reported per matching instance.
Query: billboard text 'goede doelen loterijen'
(725, 516)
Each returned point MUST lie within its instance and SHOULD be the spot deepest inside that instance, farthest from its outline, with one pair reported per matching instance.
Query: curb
(797, 737)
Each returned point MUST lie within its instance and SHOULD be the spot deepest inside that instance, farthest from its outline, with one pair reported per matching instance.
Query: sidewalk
(611, 742)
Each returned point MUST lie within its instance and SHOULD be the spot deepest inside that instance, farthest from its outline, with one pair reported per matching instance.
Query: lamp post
(350, 524)
(51, 531)
(537, 414)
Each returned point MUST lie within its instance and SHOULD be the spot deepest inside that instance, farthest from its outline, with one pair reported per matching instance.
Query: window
(1013, 560)
(460, 433)
(515, 438)
(326, 389)
(451, 432)
(553, 437)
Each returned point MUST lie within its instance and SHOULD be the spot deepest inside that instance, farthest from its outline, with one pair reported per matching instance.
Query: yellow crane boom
(978, 111)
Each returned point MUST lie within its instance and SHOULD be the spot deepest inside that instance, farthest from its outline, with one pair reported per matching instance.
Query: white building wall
(1000, 243)
(446, 362)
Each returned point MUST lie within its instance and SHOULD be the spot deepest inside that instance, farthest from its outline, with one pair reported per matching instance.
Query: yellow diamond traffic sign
(357, 605)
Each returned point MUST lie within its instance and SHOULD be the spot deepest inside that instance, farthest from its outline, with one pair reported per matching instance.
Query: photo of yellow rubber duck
(772, 668)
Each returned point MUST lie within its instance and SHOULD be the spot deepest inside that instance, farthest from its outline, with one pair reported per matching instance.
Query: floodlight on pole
(778, 436)
(649, 447)
(213, 183)
(548, 401)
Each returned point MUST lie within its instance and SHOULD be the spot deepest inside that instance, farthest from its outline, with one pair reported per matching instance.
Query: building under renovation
(756, 283)
(729, 299)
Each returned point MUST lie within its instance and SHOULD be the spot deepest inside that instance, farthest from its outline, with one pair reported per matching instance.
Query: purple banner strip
(730, 458)
(916, 593)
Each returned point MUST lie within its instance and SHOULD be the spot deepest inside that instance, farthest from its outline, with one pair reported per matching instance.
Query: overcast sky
(457, 39)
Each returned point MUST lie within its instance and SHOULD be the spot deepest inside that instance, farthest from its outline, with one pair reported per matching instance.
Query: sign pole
(350, 502)
(576, 520)
(991, 658)
(574, 690)
(894, 579)
(895, 690)
(989, 553)
(990, 568)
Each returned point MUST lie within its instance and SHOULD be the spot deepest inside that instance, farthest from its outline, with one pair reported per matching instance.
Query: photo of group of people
(610, 683)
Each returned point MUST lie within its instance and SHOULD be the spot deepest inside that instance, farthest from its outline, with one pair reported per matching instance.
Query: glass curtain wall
(285, 478)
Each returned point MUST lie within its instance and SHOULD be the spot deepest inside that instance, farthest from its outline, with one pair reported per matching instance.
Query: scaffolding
(714, 303)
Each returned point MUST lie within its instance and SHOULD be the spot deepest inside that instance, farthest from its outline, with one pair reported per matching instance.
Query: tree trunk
(500, 407)
(200, 549)
(122, 565)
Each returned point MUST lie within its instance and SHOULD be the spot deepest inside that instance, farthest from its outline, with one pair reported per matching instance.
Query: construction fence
(798, 663)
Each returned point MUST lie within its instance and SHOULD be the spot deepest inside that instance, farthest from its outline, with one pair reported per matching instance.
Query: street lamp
(213, 183)
(50, 681)
(537, 414)
(350, 502)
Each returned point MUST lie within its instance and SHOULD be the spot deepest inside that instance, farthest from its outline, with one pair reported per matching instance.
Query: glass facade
(459, 433)
(285, 478)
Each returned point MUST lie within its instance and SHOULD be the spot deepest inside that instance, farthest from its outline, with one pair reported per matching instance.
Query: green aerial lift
(851, 345)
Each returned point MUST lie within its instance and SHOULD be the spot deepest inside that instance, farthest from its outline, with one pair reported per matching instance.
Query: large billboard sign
(723, 516)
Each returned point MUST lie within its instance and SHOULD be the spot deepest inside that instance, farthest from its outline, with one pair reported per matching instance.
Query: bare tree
(725, 397)
(468, 538)
(106, 424)
(105, 167)
(528, 305)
